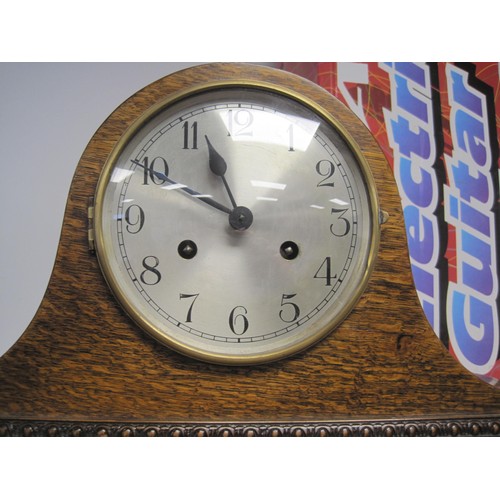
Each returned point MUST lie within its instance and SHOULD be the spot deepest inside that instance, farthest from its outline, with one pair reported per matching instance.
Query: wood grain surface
(82, 359)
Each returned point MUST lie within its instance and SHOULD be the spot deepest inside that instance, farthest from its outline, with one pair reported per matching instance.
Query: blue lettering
(408, 141)
(419, 193)
(475, 219)
(408, 101)
(480, 316)
(480, 277)
(462, 94)
(470, 186)
(420, 235)
(412, 71)
(410, 130)
(470, 136)
(424, 280)
(471, 301)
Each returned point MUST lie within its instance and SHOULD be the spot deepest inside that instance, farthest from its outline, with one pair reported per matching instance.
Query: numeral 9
(134, 216)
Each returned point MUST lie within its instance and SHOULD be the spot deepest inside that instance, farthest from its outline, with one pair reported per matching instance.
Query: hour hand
(218, 166)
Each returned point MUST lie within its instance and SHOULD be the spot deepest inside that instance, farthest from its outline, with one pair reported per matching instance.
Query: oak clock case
(236, 223)
(223, 271)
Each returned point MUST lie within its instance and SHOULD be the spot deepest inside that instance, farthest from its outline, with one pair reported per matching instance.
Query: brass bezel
(104, 254)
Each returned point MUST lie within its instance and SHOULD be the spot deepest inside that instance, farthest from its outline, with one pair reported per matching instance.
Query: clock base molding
(455, 427)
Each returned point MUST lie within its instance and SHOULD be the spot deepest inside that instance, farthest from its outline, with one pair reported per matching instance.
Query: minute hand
(192, 192)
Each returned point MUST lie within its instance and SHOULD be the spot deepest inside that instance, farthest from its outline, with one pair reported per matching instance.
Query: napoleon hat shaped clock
(233, 261)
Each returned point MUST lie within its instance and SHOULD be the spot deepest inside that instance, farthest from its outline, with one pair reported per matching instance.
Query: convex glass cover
(237, 223)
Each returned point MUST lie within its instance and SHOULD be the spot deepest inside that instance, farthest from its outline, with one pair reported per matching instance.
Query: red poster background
(368, 92)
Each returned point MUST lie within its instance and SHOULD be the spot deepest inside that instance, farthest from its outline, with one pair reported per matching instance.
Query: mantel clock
(233, 262)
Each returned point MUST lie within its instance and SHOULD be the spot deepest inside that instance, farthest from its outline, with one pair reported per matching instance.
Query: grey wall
(48, 113)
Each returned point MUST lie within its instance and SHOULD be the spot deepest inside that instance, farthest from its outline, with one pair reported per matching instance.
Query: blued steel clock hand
(219, 166)
(192, 192)
(240, 218)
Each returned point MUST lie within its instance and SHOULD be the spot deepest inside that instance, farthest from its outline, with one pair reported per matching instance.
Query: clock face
(236, 224)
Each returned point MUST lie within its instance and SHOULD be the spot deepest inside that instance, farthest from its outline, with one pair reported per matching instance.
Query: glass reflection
(172, 187)
(268, 185)
(339, 202)
(254, 125)
(120, 174)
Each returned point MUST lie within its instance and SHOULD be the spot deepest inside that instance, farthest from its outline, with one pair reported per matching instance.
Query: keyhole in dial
(289, 250)
(187, 249)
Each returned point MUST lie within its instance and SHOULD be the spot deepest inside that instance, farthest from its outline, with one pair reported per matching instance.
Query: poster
(439, 126)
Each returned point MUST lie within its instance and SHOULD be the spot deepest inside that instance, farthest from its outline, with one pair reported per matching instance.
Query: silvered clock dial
(237, 222)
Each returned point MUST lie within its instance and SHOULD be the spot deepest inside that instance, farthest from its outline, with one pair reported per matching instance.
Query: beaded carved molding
(386, 428)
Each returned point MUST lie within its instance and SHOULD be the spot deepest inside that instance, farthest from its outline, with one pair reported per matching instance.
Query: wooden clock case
(83, 368)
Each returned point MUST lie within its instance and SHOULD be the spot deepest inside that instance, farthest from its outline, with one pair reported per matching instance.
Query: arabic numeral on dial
(325, 272)
(292, 312)
(290, 138)
(239, 122)
(150, 275)
(190, 135)
(238, 322)
(134, 217)
(326, 169)
(158, 164)
(193, 296)
(342, 226)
